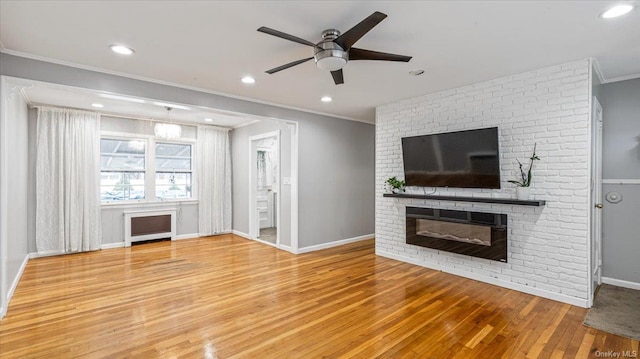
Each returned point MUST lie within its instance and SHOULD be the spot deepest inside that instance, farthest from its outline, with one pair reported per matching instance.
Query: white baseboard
(33, 255)
(212, 234)
(112, 245)
(16, 280)
(340, 242)
(621, 283)
(265, 242)
(45, 254)
(241, 234)
(509, 285)
(288, 249)
(187, 236)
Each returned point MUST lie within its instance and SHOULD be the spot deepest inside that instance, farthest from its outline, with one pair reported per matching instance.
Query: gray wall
(336, 157)
(621, 160)
(336, 180)
(15, 138)
(113, 219)
(240, 157)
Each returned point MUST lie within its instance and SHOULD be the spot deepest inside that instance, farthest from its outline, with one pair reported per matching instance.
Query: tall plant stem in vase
(525, 176)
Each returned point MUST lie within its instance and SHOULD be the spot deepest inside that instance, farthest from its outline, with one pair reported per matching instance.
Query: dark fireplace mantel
(468, 199)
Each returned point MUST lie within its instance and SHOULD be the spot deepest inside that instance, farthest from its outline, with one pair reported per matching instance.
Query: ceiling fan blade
(360, 54)
(282, 35)
(337, 77)
(347, 39)
(286, 66)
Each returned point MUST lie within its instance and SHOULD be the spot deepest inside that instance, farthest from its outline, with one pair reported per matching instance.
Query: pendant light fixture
(168, 130)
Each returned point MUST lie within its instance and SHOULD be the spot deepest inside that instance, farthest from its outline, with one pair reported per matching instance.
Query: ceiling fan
(335, 49)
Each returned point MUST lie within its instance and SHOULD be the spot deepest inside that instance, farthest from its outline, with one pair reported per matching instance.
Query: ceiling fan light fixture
(330, 56)
(331, 63)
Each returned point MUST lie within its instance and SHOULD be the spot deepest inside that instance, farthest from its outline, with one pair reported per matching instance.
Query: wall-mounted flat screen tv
(463, 159)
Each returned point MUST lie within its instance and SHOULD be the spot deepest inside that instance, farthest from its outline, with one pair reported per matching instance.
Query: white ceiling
(211, 45)
(47, 94)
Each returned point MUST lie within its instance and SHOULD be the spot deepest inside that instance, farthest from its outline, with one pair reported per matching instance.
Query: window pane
(121, 186)
(173, 157)
(173, 185)
(123, 155)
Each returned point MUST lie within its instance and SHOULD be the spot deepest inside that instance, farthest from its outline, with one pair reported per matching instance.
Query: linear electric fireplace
(477, 234)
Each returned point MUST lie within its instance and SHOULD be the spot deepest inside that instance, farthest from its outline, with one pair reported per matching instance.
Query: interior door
(596, 195)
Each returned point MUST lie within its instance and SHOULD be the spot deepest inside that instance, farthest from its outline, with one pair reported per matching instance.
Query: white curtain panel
(213, 156)
(67, 181)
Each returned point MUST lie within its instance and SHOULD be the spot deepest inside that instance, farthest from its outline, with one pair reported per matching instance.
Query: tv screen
(463, 159)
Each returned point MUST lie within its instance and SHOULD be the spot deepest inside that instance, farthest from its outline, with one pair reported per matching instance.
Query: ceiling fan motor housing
(329, 55)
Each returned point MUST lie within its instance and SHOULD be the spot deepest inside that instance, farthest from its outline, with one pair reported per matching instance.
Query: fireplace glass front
(477, 234)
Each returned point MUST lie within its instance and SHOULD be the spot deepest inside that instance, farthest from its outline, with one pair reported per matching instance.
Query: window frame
(191, 143)
(150, 167)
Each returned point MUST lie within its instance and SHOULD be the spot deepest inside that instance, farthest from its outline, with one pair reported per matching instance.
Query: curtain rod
(129, 117)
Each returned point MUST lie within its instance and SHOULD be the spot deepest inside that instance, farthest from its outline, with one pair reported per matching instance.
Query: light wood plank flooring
(227, 297)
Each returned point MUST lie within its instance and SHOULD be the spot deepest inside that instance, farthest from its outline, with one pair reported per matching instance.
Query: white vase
(522, 193)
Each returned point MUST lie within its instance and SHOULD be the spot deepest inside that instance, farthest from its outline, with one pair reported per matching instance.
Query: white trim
(187, 236)
(621, 283)
(288, 249)
(294, 185)
(267, 243)
(340, 242)
(275, 133)
(596, 67)
(128, 215)
(33, 255)
(622, 78)
(112, 245)
(172, 84)
(241, 234)
(16, 280)
(246, 124)
(149, 204)
(254, 221)
(4, 177)
(620, 181)
(509, 285)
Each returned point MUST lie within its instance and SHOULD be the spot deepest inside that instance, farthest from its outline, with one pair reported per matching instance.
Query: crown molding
(621, 78)
(169, 83)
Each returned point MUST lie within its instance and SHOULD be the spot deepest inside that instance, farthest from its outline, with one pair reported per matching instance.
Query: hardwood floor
(227, 297)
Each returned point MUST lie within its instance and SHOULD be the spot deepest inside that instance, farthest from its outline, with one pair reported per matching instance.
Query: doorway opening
(264, 185)
(596, 200)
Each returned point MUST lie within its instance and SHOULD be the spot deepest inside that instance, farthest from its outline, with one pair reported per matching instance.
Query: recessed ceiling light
(616, 11)
(326, 99)
(164, 104)
(122, 98)
(208, 120)
(97, 105)
(122, 50)
(416, 72)
(248, 80)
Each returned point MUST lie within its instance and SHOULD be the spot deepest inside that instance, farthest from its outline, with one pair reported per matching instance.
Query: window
(141, 169)
(122, 174)
(173, 170)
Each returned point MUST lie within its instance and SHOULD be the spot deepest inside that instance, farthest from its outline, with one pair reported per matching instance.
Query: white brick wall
(548, 246)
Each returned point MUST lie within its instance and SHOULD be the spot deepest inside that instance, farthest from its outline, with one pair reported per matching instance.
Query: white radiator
(144, 225)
